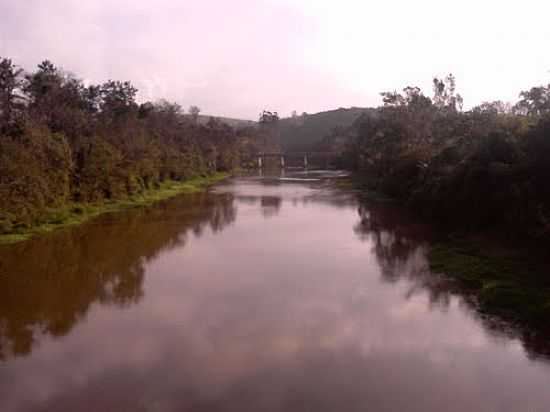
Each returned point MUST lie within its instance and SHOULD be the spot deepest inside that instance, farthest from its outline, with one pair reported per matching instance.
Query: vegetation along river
(262, 294)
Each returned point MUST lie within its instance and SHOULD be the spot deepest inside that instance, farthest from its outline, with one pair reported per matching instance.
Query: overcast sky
(238, 57)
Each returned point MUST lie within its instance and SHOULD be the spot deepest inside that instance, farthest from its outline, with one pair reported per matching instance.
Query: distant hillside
(305, 131)
(203, 119)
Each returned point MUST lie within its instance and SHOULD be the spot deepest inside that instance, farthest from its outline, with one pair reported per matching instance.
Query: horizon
(237, 61)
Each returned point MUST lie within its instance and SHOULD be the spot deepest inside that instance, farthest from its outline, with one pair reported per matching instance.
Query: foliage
(486, 168)
(504, 284)
(10, 84)
(62, 142)
(270, 130)
(76, 213)
(35, 174)
(535, 102)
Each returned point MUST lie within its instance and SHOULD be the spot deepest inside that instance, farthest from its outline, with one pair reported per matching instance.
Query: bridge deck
(279, 154)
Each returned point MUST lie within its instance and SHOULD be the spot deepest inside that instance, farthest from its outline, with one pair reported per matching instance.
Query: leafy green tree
(10, 84)
(535, 102)
(88, 143)
(117, 98)
(35, 175)
(42, 87)
(61, 101)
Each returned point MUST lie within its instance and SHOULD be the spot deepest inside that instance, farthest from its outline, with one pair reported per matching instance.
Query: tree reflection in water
(53, 280)
(270, 205)
(400, 245)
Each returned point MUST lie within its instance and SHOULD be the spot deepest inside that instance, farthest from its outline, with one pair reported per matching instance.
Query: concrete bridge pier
(282, 162)
(260, 162)
(305, 161)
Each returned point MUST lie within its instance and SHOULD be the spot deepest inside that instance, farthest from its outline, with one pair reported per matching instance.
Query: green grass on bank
(506, 284)
(78, 213)
(362, 187)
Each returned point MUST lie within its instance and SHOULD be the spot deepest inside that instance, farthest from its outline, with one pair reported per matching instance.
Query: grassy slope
(78, 213)
(507, 284)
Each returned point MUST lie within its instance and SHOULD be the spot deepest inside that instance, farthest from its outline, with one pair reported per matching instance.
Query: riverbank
(78, 213)
(365, 192)
(509, 283)
(507, 279)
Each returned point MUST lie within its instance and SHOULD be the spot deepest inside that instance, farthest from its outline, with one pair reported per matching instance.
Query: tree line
(484, 168)
(64, 141)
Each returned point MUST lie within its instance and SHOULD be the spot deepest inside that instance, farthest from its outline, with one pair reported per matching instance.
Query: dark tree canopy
(535, 102)
(10, 84)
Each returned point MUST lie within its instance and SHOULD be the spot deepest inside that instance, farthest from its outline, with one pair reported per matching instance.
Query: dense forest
(64, 142)
(484, 168)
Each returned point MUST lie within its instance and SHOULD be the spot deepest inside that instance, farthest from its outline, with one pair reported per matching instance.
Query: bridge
(305, 156)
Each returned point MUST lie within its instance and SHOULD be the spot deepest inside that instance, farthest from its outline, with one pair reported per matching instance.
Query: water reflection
(270, 205)
(48, 284)
(400, 245)
(316, 308)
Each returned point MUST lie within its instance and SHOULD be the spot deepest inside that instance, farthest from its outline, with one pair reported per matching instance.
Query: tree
(445, 96)
(493, 108)
(535, 102)
(268, 118)
(269, 129)
(41, 87)
(412, 98)
(40, 84)
(10, 83)
(117, 98)
(92, 98)
(194, 112)
(60, 100)
(392, 99)
(92, 142)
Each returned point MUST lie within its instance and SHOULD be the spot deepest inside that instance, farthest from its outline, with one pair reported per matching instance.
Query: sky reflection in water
(261, 295)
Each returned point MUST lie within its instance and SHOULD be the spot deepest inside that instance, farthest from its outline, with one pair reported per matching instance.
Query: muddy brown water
(261, 295)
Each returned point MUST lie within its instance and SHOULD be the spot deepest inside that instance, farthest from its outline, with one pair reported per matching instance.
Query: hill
(306, 131)
(236, 123)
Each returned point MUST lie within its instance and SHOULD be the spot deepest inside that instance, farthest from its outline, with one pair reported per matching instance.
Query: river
(260, 295)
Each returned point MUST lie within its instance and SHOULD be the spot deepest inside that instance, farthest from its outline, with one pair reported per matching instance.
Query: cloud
(237, 58)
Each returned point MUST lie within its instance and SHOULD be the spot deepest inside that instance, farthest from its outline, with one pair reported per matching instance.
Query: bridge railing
(283, 156)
